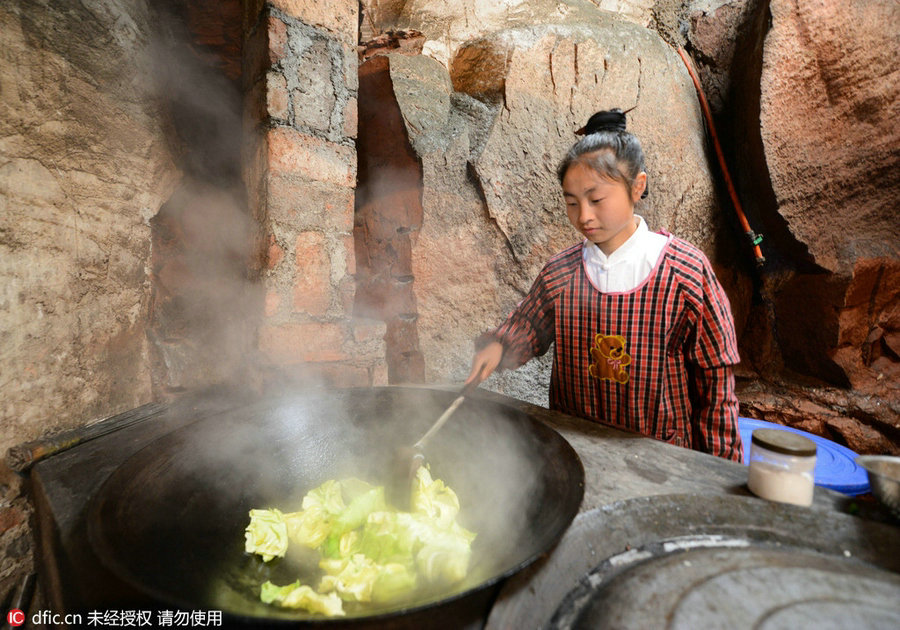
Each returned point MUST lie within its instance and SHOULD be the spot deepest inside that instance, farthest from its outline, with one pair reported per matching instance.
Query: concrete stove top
(618, 467)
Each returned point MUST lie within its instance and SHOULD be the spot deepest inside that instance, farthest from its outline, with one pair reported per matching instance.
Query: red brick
(305, 205)
(273, 301)
(351, 118)
(274, 253)
(341, 17)
(255, 56)
(290, 344)
(332, 374)
(346, 292)
(366, 330)
(343, 375)
(265, 46)
(277, 100)
(351, 66)
(350, 254)
(255, 114)
(312, 283)
(254, 154)
(294, 153)
(278, 39)
(402, 265)
(380, 375)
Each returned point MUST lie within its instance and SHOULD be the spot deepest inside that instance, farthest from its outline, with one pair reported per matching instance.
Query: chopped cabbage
(328, 497)
(394, 582)
(358, 511)
(444, 557)
(266, 534)
(352, 578)
(361, 579)
(369, 552)
(433, 498)
(440, 554)
(309, 527)
(389, 537)
(298, 595)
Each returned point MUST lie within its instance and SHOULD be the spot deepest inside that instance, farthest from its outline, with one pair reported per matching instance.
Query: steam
(205, 305)
(271, 454)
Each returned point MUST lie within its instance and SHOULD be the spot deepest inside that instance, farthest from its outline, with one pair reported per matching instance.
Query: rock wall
(490, 93)
(146, 247)
(205, 302)
(832, 154)
(812, 144)
(84, 165)
(490, 107)
(388, 218)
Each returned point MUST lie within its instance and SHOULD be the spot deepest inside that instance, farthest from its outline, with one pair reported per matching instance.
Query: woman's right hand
(485, 362)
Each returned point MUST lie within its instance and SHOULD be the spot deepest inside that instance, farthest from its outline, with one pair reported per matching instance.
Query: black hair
(607, 148)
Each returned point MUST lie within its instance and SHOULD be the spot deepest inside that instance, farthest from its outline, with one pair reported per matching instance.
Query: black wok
(170, 521)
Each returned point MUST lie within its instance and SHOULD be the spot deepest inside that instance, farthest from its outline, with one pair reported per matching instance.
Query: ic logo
(15, 617)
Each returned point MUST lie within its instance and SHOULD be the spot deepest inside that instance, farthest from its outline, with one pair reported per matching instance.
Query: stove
(664, 535)
(691, 561)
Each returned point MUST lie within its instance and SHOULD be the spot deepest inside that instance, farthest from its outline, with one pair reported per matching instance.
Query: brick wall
(300, 78)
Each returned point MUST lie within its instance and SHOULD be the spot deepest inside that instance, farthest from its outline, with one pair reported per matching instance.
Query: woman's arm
(711, 357)
(715, 418)
(527, 332)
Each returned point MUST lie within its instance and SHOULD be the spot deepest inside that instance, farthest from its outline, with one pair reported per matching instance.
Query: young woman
(643, 333)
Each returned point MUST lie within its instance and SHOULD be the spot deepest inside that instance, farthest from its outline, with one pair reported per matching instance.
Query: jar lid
(784, 442)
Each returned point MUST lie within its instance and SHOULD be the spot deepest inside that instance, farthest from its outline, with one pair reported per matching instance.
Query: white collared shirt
(627, 267)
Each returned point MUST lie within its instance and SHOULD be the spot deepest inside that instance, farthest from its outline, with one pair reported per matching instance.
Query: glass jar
(781, 466)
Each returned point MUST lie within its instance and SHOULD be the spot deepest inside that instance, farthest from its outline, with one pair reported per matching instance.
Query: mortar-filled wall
(301, 84)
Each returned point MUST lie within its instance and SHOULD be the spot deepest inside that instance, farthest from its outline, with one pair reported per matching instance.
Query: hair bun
(611, 120)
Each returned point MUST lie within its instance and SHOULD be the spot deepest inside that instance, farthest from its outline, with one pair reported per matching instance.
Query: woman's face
(601, 208)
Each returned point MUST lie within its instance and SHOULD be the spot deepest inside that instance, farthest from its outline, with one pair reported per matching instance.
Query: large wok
(170, 520)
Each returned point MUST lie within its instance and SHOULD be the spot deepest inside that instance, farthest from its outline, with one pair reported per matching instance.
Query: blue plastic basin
(836, 467)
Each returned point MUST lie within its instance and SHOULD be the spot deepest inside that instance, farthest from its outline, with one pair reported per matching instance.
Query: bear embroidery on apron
(610, 358)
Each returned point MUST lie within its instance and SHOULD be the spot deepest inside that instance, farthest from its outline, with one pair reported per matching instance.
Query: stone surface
(862, 422)
(830, 99)
(388, 217)
(84, 164)
(555, 79)
(521, 76)
(15, 533)
(314, 97)
(866, 348)
(291, 343)
(277, 97)
(204, 304)
(810, 324)
(452, 23)
(721, 33)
